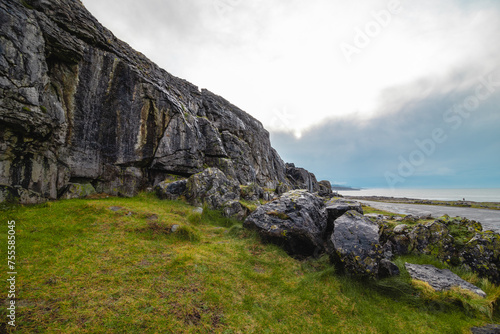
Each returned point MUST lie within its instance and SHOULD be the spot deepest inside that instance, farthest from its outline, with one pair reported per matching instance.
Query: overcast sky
(367, 93)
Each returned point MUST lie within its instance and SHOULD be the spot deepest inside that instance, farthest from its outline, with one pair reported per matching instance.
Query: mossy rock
(78, 190)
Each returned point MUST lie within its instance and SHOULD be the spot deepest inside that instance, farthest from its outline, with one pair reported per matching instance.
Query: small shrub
(187, 233)
(195, 218)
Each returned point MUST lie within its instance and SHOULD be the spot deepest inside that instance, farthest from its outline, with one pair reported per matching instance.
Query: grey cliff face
(77, 105)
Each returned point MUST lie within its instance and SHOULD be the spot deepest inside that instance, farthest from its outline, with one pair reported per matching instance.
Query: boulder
(211, 187)
(336, 208)
(400, 244)
(77, 190)
(296, 221)
(234, 209)
(251, 192)
(325, 189)
(170, 190)
(27, 196)
(282, 188)
(354, 244)
(440, 279)
(411, 219)
(400, 229)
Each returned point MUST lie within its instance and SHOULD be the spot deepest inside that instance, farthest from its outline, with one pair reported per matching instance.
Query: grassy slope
(86, 269)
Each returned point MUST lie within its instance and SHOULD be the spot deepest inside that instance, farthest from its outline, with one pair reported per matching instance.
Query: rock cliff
(79, 106)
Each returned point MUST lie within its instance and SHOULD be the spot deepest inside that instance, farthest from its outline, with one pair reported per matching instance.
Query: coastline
(405, 200)
(430, 194)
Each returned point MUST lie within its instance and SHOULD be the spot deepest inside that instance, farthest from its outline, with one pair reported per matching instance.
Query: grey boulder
(355, 245)
(440, 279)
(296, 221)
(211, 187)
(325, 188)
(336, 208)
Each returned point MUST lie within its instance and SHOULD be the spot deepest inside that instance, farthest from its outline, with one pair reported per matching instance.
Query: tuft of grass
(280, 215)
(251, 206)
(26, 4)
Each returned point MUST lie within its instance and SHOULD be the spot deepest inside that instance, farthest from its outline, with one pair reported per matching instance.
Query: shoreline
(405, 200)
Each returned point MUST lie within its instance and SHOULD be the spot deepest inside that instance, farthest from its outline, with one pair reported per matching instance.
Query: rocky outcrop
(296, 221)
(325, 188)
(252, 192)
(355, 245)
(79, 106)
(456, 241)
(335, 208)
(440, 279)
(301, 178)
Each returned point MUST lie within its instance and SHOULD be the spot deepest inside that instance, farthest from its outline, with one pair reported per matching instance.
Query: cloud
(281, 61)
(265, 56)
(441, 144)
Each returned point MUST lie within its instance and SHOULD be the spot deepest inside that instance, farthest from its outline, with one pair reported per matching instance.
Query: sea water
(476, 195)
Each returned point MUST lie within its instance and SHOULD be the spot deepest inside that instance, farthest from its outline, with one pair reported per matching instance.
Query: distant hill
(338, 187)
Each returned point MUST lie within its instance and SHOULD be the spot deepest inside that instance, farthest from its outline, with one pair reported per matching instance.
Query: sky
(366, 93)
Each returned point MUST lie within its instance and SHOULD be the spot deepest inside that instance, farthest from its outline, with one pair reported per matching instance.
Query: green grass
(83, 268)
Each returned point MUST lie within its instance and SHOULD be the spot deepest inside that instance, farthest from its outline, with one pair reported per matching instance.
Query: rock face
(355, 244)
(79, 106)
(440, 279)
(295, 221)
